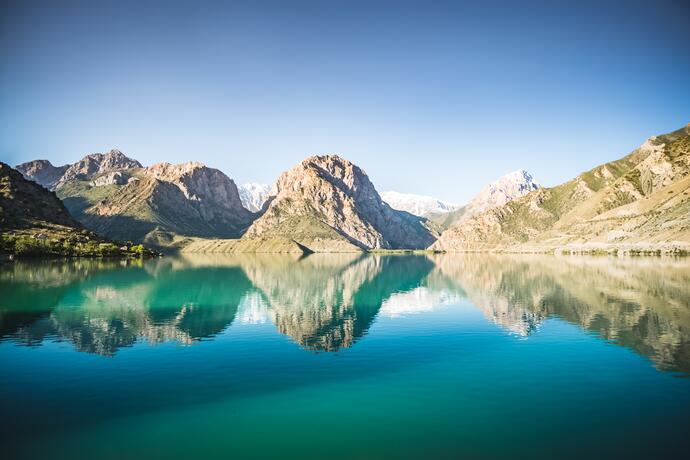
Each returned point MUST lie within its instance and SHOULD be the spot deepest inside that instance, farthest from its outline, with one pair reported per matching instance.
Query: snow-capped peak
(419, 205)
(253, 195)
(507, 188)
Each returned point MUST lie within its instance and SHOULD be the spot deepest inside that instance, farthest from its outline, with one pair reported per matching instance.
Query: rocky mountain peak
(506, 188)
(42, 172)
(337, 194)
(52, 177)
(97, 163)
(209, 186)
(331, 168)
(168, 171)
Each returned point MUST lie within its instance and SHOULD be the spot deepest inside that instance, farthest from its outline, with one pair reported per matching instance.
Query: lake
(346, 357)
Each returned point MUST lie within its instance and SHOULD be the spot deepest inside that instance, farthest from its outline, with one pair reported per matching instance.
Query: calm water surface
(346, 357)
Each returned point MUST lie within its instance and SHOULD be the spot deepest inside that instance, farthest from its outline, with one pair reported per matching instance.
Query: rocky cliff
(43, 172)
(337, 198)
(116, 196)
(164, 201)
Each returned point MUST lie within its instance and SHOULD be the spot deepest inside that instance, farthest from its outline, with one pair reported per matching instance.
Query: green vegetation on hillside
(78, 195)
(637, 203)
(34, 222)
(33, 246)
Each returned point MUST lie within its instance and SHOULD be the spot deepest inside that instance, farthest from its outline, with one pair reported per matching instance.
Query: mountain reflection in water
(328, 302)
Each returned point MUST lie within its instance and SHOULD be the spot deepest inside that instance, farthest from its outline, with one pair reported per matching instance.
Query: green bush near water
(28, 246)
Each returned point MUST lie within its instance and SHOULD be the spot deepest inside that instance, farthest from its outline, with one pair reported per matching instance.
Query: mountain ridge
(419, 205)
(34, 221)
(326, 203)
(568, 214)
(496, 193)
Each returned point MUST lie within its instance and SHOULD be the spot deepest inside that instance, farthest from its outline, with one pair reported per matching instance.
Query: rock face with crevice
(327, 200)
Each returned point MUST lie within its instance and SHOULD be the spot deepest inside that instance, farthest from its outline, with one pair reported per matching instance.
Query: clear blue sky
(428, 97)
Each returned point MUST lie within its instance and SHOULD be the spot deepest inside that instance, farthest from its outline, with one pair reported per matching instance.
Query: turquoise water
(346, 357)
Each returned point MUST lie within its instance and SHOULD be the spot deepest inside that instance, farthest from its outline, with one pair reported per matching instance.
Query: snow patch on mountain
(507, 188)
(419, 205)
(253, 195)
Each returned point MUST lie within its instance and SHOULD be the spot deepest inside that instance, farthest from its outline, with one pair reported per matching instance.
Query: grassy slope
(299, 234)
(565, 213)
(34, 222)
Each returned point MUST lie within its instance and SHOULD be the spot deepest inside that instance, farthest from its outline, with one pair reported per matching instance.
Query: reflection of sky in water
(418, 300)
(353, 356)
(252, 309)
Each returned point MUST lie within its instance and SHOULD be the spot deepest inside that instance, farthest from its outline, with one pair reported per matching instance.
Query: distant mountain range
(419, 205)
(326, 203)
(506, 188)
(253, 195)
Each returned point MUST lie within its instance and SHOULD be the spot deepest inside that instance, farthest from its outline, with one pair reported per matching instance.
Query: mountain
(499, 192)
(253, 195)
(160, 203)
(640, 202)
(26, 204)
(34, 221)
(507, 188)
(51, 177)
(42, 172)
(327, 203)
(419, 205)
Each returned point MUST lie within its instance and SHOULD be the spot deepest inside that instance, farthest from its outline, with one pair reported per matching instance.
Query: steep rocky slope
(497, 193)
(163, 201)
(33, 221)
(163, 204)
(43, 172)
(51, 177)
(26, 204)
(327, 202)
(639, 199)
